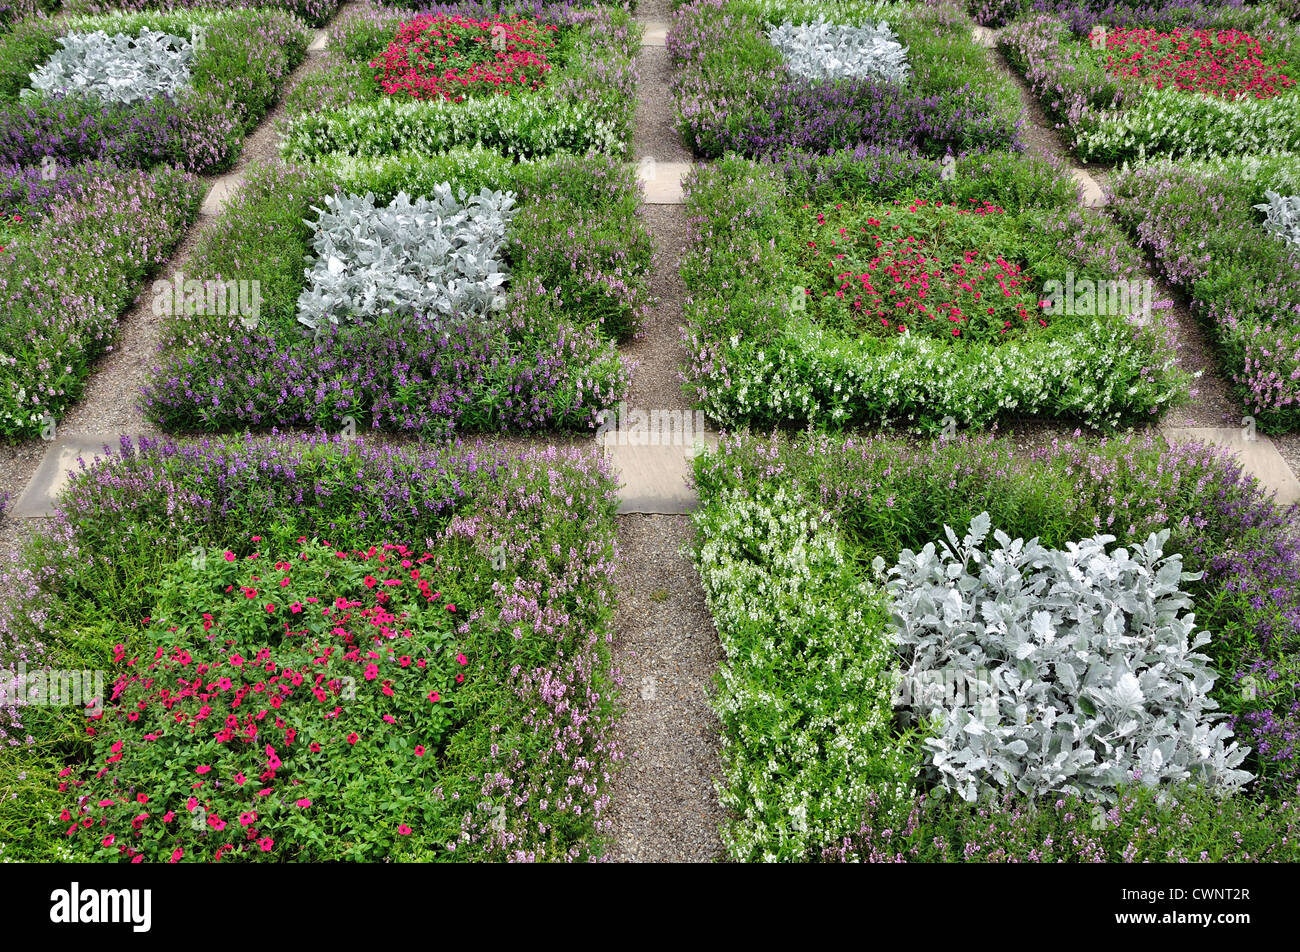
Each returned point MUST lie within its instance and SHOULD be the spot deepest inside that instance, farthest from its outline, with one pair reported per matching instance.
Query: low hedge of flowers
(235, 77)
(829, 767)
(1083, 15)
(313, 12)
(735, 92)
(1199, 223)
(871, 288)
(578, 258)
(1173, 92)
(525, 80)
(107, 229)
(287, 681)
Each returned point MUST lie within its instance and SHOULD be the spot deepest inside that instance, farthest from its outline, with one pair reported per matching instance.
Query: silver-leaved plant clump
(1282, 217)
(115, 68)
(439, 255)
(823, 50)
(1077, 669)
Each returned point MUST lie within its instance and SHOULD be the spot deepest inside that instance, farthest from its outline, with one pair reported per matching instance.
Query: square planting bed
(141, 89)
(1082, 654)
(420, 294)
(557, 79)
(1147, 89)
(763, 78)
(324, 651)
(870, 288)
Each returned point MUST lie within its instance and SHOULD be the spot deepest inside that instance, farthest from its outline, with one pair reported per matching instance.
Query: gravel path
(663, 805)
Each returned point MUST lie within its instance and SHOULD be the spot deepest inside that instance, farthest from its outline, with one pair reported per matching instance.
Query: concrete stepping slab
(985, 37)
(319, 41)
(1093, 196)
(59, 462)
(654, 33)
(654, 479)
(662, 181)
(221, 191)
(1257, 453)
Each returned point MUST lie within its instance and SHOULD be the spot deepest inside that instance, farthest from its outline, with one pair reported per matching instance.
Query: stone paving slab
(319, 41)
(985, 37)
(221, 191)
(1257, 453)
(51, 476)
(654, 479)
(1093, 196)
(662, 181)
(654, 33)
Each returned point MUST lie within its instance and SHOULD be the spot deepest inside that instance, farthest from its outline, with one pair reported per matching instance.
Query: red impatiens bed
(439, 56)
(1226, 63)
(914, 268)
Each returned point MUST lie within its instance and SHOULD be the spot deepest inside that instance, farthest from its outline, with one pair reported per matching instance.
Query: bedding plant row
(869, 287)
(915, 80)
(954, 651)
(314, 650)
(526, 80)
(1226, 232)
(1083, 15)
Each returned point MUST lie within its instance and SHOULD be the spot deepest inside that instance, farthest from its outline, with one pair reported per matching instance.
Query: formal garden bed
(316, 650)
(231, 66)
(504, 316)
(871, 287)
(529, 83)
(1221, 84)
(1226, 232)
(953, 652)
(907, 77)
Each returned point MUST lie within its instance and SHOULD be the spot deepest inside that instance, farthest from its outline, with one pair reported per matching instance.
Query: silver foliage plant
(823, 50)
(1282, 217)
(439, 255)
(116, 68)
(1076, 669)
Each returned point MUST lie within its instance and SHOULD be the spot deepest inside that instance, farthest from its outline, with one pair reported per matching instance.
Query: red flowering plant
(449, 57)
(923, 267)
(282, 707)
(1225, 63)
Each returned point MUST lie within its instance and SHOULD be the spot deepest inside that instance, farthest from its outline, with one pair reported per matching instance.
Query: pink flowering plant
(277, 701)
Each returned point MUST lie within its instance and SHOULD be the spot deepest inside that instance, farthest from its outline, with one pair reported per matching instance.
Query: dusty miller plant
(117, 68)
(439, 255)
(823, 50)
(1076, 670)
(1282, 217)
